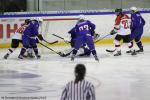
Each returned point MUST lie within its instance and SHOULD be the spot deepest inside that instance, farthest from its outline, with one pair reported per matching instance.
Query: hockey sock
(23, 50)
(10, 50)
(36, 51)
(94, 52)
(118, 48)
(117, 45)
(130, 45)
(139, 44)
(74, 51)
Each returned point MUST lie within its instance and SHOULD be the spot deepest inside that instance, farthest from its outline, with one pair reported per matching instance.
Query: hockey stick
(111, 51)
(58, 36)
(102, 38)
(61, 38)
(49, 48)
(50, 42)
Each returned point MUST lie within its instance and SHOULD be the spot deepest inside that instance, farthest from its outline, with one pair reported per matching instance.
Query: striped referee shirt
(83, 90)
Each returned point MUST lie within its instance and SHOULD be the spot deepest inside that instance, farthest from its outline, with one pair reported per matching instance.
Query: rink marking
(17, 87)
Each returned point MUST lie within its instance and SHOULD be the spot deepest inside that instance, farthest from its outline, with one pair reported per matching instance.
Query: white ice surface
(115, 78)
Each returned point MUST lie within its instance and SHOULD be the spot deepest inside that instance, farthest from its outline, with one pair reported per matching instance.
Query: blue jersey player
(84, 32)
(29, 37)
(83, 51)
(137, 24)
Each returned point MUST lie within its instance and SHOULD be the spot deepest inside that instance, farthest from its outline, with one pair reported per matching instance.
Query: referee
(79, 89)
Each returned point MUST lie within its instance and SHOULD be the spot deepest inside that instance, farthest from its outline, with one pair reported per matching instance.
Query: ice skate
(38, 56)
(129, 51)
(30, 55)
(118, 53)
(96, 58)
(20, 57)
(133, 52)
(6, 56)
(140, 50)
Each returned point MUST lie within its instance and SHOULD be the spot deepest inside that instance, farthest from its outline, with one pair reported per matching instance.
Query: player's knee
(116, 42)
(26, 46)
(14, 45)
(33, 46)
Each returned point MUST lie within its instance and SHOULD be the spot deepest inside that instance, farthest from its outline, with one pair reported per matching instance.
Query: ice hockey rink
(115, 78)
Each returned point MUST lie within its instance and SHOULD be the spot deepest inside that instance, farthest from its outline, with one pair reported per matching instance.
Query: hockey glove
(93, 32)
(96, 36)
(113, 32)
(63, 55)
(67, 40)
(37, 41)
(40, 37)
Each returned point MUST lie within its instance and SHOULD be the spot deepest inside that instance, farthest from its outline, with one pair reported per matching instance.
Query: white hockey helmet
(134, 9)
(39, 19)
(82, 17)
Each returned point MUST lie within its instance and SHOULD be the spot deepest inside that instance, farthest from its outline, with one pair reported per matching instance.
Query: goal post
(58, 26)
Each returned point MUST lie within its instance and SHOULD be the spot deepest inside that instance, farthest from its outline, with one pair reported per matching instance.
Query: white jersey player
(17, 38)
(122, 29)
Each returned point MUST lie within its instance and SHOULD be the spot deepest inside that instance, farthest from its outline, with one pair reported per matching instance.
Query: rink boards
(61, 23)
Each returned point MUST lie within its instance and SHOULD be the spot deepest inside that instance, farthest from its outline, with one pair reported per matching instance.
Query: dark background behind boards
(13, 5)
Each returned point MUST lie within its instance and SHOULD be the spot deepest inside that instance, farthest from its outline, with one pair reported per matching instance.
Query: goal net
(58, 26)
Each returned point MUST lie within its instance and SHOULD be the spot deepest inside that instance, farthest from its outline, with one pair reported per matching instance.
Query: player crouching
(84, 32)
(83, 51)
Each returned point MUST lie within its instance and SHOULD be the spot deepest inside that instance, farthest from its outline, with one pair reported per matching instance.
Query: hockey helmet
(118, 11)
(39, 19)
(81, 17)
(27, 21)
(133, 9)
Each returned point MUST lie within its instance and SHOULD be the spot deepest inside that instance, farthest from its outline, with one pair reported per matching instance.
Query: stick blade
(107, 50)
